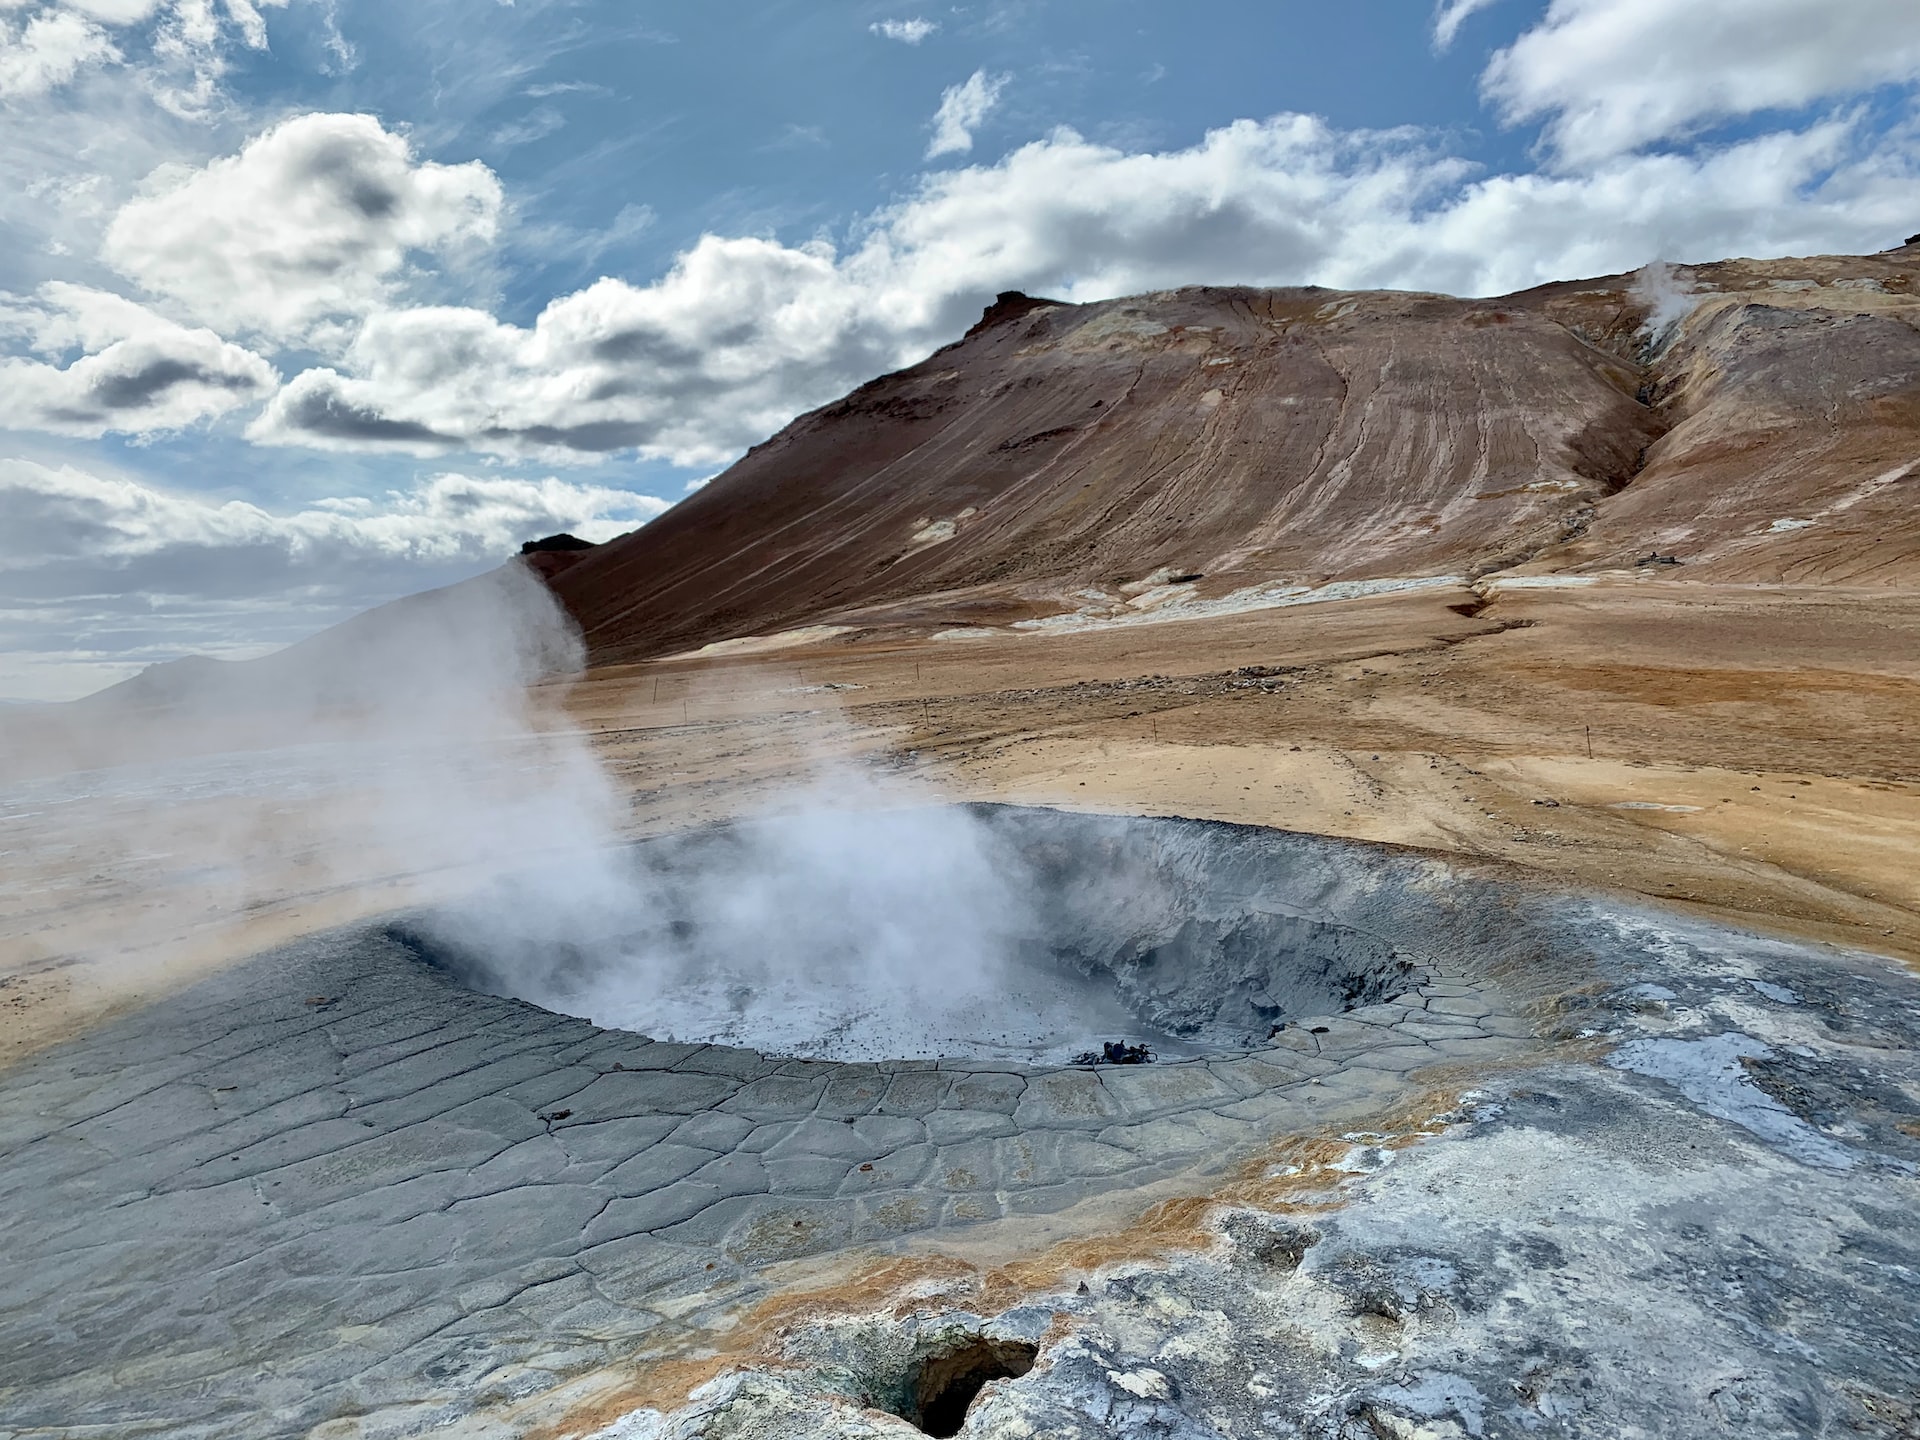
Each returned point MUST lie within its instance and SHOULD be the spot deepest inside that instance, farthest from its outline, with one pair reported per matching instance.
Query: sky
(309, 304)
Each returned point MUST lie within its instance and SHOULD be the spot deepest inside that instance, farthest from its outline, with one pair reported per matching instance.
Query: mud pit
(1190, 939)
(337, 1192)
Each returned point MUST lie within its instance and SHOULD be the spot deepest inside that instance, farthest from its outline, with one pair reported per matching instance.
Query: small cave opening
(985, 932)
(950, 1380)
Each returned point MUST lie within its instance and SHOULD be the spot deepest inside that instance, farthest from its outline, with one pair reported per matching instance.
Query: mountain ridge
(1065, 460)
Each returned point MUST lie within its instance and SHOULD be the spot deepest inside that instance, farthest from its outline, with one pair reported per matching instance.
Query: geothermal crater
(522, 1199)
(1034, 936)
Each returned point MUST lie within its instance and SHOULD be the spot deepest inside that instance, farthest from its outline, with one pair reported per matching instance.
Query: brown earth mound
(1753, 420)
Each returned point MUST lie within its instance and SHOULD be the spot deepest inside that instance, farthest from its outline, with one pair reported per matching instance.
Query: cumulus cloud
(188, 59)
(1612, 76)
(907, 32)
(962, 109)
(311, 221)
(176, 50)
(743, 334)
(137, 372)
(329, 233)
(47, 50)
(1293, 200)
(313, 228)
(691, 368)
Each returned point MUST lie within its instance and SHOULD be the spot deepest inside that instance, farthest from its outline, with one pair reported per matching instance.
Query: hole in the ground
(952, 1379)
(967, 931)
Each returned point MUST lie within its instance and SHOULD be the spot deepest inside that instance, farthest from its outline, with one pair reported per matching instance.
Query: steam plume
(1669, 298)
(411, 758)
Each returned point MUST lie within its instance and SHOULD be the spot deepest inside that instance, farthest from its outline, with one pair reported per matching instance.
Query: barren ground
(1755, 751)
(1751, 753)
(1750, 750)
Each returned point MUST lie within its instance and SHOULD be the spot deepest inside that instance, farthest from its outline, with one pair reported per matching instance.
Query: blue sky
(310, 304)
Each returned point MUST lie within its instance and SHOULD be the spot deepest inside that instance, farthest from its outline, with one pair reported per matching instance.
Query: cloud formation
(907, 32)
(1613, 76)
(100, 573)
(691, 368)
(1450, 16)
(331, 247)
(312, 221)
(58, 515)
(962, 109)
(176, 50)
(744, 333)
(536, 124)
(137, 373)
(47, 50)
(1293, 200)
(323, 232)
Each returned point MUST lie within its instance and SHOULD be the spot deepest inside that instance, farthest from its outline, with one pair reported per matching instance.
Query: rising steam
(1669, 297)
(847, 928)
(414, 758)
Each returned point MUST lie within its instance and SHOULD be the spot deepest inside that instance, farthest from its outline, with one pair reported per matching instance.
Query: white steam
(1669, 297)
(406, 761)
(207, 810)
(847, 928)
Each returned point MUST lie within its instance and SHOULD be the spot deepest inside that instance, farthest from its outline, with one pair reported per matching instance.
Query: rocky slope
(1222, 448)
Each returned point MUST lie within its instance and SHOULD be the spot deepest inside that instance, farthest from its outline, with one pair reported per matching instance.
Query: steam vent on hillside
(1221, 864)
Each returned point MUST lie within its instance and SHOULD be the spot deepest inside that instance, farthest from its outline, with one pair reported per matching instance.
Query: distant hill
(1746, 421)
(1067, 459)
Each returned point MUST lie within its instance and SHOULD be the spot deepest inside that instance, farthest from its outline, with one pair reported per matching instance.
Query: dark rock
(562, 541)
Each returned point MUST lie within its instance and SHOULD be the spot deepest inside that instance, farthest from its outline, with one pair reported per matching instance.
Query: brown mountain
(1222, 447)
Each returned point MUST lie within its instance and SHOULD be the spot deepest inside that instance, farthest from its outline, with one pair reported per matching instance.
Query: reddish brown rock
(1227, 438)
(1243, 436)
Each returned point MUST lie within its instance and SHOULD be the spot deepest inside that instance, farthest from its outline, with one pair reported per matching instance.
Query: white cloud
(188, 63)
(1612, 76)
(962, 108)
(116, 12)
(101, 572)
(311, 229)
(174, 49)
(691, 368)
(253, 25)
(1292, 200)
(564, 87)
(1451, 15)
(313, 220)
(47, 51)
(907, 32)
(329, 232)
(55, 516)
(744, 333)
(536, 124)
(139, 373)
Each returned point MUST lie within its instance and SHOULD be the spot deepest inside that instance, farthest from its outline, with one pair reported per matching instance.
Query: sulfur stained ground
(1752, 751)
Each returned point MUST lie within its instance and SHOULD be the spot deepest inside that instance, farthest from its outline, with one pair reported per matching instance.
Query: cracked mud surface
(333, 1181)
(334, 1193)
(1674, 1241)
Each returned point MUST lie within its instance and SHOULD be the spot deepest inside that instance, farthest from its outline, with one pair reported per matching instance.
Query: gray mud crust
(1196, 940)
(335, 1190)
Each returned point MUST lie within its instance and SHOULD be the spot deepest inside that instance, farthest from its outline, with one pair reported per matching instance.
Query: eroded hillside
(1217, 449)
